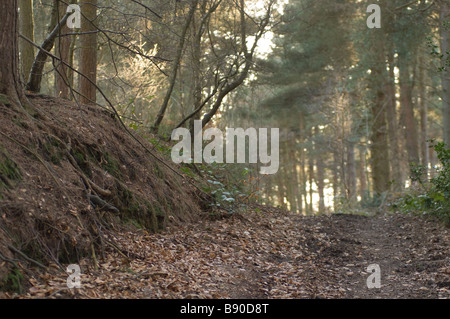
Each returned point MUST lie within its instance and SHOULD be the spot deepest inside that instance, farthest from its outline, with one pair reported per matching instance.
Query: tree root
(37, 263)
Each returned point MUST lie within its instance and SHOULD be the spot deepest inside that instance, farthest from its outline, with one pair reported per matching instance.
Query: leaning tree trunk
(173, 75)
(35, 79)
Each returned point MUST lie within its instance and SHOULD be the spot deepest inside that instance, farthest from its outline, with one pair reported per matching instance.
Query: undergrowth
(232, 187)
(431, 196)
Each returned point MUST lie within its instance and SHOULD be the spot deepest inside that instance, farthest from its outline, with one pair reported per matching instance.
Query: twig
(121, 252)
(9, 260)
(26, 257)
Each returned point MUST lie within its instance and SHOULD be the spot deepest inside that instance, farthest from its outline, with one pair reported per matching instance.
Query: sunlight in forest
(224, 150)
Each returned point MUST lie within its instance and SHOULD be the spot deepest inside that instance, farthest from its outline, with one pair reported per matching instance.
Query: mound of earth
(72, 175)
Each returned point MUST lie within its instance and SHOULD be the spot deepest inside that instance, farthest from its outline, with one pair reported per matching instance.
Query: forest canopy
(359, 90)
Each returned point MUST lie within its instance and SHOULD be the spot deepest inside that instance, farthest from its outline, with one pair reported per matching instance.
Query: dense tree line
(356, 105)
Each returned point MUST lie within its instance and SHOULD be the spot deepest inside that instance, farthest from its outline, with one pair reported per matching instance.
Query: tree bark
(320, 174)
(362, 190)
(311, 183)
(34, 82)
(445, 77)
(379, 148)
(88, 52)
(335, 178)
(424, 145)
(62, 51)
(392, 120)
(27, 29)
(409, 121)
(351, 172)
(9, 53)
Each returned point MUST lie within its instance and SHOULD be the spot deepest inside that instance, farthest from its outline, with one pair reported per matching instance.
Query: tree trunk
(196, 66)
(392, 119)
(176, 65)
(311, 183)
(320, 174)
(351, 172)
(296, 204)
(62, 51)
(9, 52)
(362, 190)
(424, 145)
(445, 48)
(34, 82)
(409, 121)
(88, 52)
(335, 178)
(379, 148)
(27, 29)
(303, 197)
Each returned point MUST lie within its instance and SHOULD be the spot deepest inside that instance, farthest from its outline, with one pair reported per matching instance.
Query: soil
(64, 176)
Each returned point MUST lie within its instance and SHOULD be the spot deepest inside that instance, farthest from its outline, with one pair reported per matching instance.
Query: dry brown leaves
(267, 254)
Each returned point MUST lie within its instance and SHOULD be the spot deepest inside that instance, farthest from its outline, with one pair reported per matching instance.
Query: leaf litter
(266, 253)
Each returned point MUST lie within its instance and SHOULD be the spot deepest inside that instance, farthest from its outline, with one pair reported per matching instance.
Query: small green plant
(9, 172)
(231, 186)
(13, 282)
(372, 200)
(433, 198)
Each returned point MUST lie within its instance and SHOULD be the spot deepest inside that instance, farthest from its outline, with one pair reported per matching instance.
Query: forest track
(268, 254)
(412, 253)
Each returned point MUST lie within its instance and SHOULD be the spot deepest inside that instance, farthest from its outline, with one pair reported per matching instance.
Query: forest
(244, 149)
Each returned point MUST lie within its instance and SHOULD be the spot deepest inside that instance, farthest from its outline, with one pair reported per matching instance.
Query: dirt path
(269, 254)
(413, 255)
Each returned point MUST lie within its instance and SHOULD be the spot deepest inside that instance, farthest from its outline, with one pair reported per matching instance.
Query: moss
(151, 216)
(82, 162)
(9, 172)
(111, 165)
(53, 151)
(134, 222)
(20, 123)
(138, 211)
(4, 100)
(13, 282)
(158, 171)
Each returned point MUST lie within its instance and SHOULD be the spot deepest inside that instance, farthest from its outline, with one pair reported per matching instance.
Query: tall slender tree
(445, 50)
(26, 18)
(88, 52)
(9, 51)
